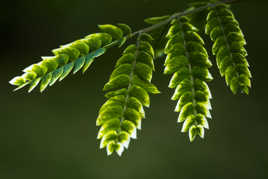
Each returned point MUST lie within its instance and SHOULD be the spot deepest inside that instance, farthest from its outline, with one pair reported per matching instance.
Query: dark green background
(53, 135)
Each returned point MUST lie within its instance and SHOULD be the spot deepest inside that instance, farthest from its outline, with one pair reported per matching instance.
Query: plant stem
(167, 21)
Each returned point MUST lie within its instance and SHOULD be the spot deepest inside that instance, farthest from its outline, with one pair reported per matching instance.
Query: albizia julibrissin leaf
(187, 60)
(228, 47)
(128, 92)
(73, 57)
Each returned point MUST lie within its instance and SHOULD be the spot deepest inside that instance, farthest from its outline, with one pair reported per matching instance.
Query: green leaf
(124, 139)
(156, 20)
(109, 113)
(215, 33)
(144, 71)
(120, 70)
(79, 64)
(36, 69)
(149, 87)
(91, 57)
(193, 36)
(134, 103)
(94, 41)
(122, 42)
(218, 13)
(128, 126)
(97, 40)
(229, 49)
(81, 46)
(218, 44)
(73, 53)
(182, 74)
(203, 108)
(129, 85)
(88, 63)
(133, 116)
(45, 82)
(50, 63)
(122, 91)
(56, 75)
(146, 37)
(29, 76)
(34, 84)
(17, 81)
(62, 59)
(187, 59)
(194, 131)
(141, 94)
(201, 120)
(145, 58)
(130, 49)
(187, 110)
(114, 31)
(201, 96)
(126, 29)
(196, 47)
(219, 21)
(147, 47)
(200, 59)
(188, 27)
(110, 136)
(173, 30)
(111, 125)
(176, 49)
(236, 37)
(21, 86)
(184, 99)
(185, 86)
(120, 81)
(66, 70)
(127, 58)
(175, 63)
(111, 102)
(178, 38)
(201, 73)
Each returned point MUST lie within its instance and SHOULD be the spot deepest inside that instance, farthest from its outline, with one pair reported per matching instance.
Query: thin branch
(179, 14)
(174, 16)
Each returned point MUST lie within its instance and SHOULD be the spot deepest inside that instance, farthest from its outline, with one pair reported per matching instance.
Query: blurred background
(53, 135)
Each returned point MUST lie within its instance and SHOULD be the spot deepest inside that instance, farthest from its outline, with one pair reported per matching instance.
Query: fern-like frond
(228, 48)
(72, 57)
(127, 93)
(187, 60)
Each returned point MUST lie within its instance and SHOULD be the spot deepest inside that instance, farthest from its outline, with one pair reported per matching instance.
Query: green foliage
(156, 20)
(129, 86)
(159, 34)
(228, 47)
(199, 18)
(127, 91)
(187, 60)
(75, 56)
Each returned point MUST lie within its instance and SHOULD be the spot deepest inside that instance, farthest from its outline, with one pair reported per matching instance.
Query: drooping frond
(187, 60)
(127, 93)
(72, 57)
(228, 48)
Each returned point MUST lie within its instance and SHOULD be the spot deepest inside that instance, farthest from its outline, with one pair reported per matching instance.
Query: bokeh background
(53, 135)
